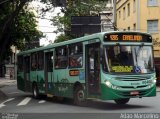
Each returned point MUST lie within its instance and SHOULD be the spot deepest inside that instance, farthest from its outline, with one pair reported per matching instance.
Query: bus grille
(132, 78)
(131, 87)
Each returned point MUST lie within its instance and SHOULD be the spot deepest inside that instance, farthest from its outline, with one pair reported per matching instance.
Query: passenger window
(49, 59)
(76, 55)
(40, 60)
(34, 61)
(61, 57)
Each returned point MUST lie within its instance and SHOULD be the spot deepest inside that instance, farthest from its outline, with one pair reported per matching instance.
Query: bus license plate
(134, 93)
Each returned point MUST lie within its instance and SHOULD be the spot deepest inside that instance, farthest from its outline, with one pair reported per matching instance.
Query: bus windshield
(128, 59)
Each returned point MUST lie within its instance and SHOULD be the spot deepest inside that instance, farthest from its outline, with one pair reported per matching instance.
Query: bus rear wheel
(35, 91)
(79, 96)
(122, 101)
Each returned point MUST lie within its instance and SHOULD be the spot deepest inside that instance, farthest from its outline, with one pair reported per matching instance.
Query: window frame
(129, 28)
(134, 26)
(124, 13)
(40, 60)
(79, 54)
(58, 55)
(49, 59)
(119, 14)
(134, 6)
(129, 9)
(151, 29)
(34, 61)
(154, 3)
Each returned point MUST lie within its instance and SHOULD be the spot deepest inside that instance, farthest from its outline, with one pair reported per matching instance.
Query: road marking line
(13, 93)
(42, 101)
(10, 99)
(2, 104)
(24, 102)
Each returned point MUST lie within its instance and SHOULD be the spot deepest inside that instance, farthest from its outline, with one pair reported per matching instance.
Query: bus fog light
(108, 83)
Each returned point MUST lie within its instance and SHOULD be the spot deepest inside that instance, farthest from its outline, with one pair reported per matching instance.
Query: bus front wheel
(79, 96)
(122, 101)
(35, 91)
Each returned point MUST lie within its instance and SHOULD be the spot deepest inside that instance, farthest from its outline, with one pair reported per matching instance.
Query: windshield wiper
(138, 52)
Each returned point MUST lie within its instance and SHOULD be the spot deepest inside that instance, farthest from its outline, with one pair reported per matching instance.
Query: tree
(74, 8)
(62, 37)
(25, 28)
(16, 24)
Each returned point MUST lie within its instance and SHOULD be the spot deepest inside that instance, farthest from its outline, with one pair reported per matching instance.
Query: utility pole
(114, 15)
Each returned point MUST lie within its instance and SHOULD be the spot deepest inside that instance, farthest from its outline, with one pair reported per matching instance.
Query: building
(107, 17)
(140, 15)
(10, 65)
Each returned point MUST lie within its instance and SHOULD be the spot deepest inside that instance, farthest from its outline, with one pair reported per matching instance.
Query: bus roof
(76, 40)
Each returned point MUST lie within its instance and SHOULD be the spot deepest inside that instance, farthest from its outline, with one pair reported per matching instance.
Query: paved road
(19, 102)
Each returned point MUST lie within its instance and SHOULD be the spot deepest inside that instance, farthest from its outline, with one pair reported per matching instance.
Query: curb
(158, 89)
(7, 83)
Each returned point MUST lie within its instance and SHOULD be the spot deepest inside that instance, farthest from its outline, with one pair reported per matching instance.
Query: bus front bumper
(112, 94)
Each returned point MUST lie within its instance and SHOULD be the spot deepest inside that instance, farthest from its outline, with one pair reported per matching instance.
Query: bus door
(93, 68)
(49, 71)
(27, 73)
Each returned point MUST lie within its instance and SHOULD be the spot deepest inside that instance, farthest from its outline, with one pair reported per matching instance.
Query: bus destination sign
(131, 37)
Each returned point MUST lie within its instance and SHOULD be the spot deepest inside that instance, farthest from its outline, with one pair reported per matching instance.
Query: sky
(44, 25)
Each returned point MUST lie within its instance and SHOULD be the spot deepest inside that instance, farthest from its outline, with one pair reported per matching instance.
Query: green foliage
(25, 28)
(62, 37)
(75, 8)
(16, 24)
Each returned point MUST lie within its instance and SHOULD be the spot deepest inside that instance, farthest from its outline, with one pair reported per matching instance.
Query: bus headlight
(154, 81)
(108, 83)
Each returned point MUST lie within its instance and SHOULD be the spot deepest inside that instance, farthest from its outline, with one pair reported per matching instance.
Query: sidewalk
(158, 88)
(7, 82)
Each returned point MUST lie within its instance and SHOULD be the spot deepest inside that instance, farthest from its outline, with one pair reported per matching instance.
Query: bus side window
(40, 60)
(76, 55)
(34, 61)
(61, 57)
(50, 61)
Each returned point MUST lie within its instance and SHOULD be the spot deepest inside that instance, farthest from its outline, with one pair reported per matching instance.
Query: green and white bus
(103, 66)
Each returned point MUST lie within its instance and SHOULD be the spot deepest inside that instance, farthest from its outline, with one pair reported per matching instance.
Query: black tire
(35, 91)
(122, 101)
(60, 99)
(79, 96)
